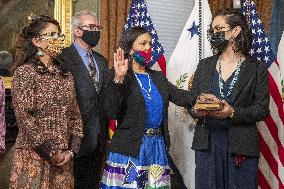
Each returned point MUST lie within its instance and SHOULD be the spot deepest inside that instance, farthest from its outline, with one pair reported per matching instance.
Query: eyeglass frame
(90, 26)
(51, 35)
(220, 28)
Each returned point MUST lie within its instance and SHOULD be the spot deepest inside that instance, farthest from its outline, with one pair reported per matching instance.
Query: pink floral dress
(2, 117)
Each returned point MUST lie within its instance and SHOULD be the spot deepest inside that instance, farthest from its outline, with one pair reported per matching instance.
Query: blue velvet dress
(151, 168)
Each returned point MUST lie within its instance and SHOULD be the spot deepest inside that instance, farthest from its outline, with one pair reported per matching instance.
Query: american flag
(271, 165)
(138, 16)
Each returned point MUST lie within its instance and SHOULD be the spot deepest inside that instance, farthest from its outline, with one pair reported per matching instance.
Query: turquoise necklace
(148, 92)
(234, 80)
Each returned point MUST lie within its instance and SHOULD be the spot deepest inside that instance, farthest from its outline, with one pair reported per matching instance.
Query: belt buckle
(150, 132)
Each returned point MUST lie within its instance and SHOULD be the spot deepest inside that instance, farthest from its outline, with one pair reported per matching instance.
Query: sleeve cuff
(46, 150)
(75, 143)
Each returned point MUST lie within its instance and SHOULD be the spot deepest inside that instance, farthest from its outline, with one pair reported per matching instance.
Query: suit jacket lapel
(79, 68)
(77, 61)
(244, 76)
(207, 77)
(135, 88)
(158, 82)
(100, 66)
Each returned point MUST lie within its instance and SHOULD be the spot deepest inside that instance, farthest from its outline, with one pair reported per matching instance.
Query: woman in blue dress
(138, 99)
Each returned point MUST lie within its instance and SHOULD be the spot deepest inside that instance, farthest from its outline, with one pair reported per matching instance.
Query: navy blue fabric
(216, 167)
(216, 123)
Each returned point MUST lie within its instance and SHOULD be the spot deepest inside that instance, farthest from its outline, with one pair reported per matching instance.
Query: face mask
(218, 41)
(141, 57)
(54, 47)
(91, 37)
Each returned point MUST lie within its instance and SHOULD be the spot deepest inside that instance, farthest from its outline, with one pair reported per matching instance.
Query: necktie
(92, 71)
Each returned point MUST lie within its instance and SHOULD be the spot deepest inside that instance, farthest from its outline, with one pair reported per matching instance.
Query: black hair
(28, 50)
(234, 17)
(128, 37)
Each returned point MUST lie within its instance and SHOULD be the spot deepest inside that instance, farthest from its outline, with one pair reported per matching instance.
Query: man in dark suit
(87, 68)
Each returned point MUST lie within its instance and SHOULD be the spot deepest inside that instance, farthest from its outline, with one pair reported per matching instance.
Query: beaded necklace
(150, 86)
(234, 80)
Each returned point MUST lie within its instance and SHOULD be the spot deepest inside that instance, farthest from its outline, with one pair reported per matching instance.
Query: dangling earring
(234, 48)
(39, 53)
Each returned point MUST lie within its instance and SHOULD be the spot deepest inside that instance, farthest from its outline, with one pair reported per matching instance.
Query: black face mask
(218, 41)
(91, 37)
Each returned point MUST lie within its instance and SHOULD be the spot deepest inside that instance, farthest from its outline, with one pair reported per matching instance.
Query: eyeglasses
(219, 28)
(52, 35)
(91, 27)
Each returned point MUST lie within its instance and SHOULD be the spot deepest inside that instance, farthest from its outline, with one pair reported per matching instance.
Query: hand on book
(206, 104)
(210, 105)
(225, 112)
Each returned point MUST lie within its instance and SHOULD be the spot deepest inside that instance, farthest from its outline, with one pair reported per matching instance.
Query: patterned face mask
(141, 57)
(54, 46)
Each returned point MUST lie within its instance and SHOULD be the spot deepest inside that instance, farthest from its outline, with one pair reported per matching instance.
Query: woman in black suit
(226, 142)
(139, 99)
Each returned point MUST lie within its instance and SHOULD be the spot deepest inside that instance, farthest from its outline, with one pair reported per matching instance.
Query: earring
(234, 48)
(39, 53)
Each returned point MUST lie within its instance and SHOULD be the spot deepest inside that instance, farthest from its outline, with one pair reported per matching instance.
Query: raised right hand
(120, 64)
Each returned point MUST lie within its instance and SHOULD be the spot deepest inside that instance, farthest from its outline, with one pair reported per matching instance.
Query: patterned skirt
(149, 170)
(30, 171)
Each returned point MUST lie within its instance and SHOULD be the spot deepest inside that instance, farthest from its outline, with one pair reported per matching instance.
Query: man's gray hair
(75, 21)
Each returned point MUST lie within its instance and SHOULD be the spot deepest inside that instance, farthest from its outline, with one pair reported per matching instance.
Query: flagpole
(248, 11)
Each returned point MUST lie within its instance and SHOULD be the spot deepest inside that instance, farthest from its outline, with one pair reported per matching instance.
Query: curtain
(216, 5)
(113, 14)
(264, 9)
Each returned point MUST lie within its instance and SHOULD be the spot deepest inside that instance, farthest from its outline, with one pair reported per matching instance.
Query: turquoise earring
(39, 53)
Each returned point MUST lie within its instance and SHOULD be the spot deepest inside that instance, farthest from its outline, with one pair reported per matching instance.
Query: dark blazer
(89, 101)
(126, 104)
(250, 103)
